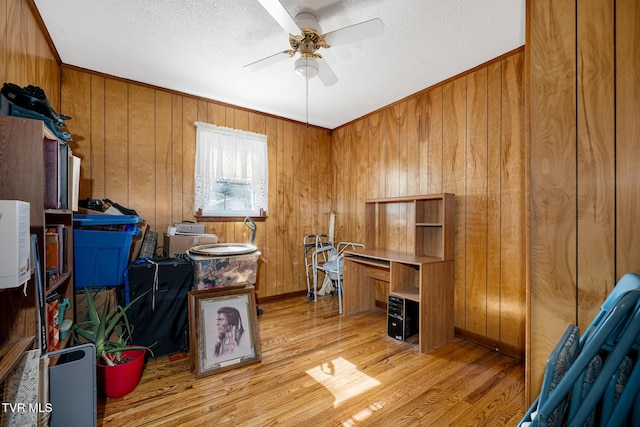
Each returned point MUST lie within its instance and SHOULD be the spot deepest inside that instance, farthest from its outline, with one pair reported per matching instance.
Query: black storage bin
(161, 315)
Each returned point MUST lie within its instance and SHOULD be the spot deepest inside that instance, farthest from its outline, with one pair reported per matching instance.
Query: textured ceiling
(200, 48)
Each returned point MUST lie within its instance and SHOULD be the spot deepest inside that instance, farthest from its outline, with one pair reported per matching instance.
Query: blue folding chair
(585, 377)
(623, 400)
(624, 337)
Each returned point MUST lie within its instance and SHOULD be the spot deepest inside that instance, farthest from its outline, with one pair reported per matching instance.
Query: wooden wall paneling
(287, 215)
(412, 169)
(454, 147)
(339, 181)
(270, 255)
(216, 114)
(93, 144)
(513, 205)
(475, 226)
(176, 157)
(435, 155)
(42, 56)
(374, 171)
(162, 153)
(142, 165)
(359, 145)
(407, 212)
(317, 177)
(395, 212)
(324, 183)
(190, 116)
(116, 141)
(595, 157)
(298, 134)
(306, 188)
(281, 209)
(241, 121)
(627, 106)
(4, 40)
(76, 96)
(351, 166)
(352, 160)
(29, 67)
(494, 205)
(16, 46)
(553, 152)
(422, 142)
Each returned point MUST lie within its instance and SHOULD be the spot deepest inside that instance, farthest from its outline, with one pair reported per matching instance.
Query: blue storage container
(101, 245)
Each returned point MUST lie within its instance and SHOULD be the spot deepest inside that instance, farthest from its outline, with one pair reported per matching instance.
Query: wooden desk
(426, 280)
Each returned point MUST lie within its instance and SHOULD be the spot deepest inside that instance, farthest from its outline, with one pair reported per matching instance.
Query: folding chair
(613, 332)
(330, 260)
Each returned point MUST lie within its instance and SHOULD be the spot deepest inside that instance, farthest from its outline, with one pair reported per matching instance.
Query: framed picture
(223, 329)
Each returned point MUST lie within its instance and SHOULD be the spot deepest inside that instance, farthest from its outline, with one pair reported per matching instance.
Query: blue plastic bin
(101, 245)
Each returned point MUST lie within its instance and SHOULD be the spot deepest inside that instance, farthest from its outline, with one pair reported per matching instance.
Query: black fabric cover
(166, 323)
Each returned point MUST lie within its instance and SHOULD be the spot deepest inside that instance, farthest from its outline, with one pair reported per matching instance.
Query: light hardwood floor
(322, 369)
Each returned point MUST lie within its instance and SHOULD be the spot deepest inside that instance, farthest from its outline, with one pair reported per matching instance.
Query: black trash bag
(125, 211)
(32, 98)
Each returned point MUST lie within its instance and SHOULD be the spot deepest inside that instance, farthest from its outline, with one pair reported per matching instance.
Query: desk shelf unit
(426, 275)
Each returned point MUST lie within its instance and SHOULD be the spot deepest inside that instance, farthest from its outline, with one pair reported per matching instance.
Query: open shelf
(10, 352)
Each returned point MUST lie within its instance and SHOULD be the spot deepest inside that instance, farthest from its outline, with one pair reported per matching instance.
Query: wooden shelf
(25, 175)
(10, 353)
(60, 280)
(413, 296)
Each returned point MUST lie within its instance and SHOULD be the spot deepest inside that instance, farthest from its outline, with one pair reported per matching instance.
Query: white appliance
(15, 243)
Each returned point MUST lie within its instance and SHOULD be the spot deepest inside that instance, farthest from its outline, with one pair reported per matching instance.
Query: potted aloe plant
(118, 362)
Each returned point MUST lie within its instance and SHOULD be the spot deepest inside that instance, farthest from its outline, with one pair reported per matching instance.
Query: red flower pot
(121, 379)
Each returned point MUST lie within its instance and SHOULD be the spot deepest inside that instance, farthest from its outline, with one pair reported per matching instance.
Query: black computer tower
(402, 317)
(160, 317)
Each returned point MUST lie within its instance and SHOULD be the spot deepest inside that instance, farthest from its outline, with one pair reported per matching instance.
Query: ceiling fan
(306, 37)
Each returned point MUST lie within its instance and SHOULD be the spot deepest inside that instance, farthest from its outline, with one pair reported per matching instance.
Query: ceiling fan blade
(364, 30)
(265, 62)
(326, 74)
(280, 14)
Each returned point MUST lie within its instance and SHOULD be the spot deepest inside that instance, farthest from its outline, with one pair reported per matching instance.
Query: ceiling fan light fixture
(307, 67)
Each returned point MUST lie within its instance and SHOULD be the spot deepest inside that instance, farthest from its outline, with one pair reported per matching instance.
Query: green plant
(110, 331)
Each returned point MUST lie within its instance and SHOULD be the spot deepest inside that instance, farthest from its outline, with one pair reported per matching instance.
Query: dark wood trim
(499, 346)
(281, 297)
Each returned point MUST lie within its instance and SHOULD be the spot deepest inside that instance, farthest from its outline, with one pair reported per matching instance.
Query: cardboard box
(179, 243)
(99, 298)
(136, 241)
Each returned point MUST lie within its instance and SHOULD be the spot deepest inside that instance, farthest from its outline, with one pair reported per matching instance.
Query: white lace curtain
(230, 154)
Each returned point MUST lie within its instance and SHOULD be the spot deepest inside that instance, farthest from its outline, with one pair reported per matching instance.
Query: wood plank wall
(137, 145)
(25, 56)
(584, 101)
(465, 136)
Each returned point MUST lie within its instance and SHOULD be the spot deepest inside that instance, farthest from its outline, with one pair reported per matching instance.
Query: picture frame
(223, 330)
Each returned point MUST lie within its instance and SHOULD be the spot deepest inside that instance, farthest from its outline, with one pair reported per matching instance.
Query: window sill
(206, 218)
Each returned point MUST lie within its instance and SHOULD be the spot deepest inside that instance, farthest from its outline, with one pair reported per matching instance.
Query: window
(231, 172)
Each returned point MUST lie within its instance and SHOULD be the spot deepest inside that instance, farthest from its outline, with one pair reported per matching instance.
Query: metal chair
(587, 379)
(330, 260)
